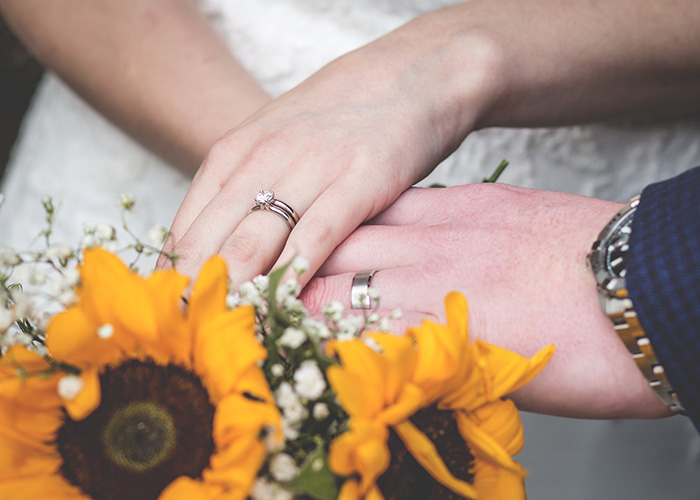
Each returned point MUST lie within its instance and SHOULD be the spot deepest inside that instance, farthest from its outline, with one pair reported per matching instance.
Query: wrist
(453, 68)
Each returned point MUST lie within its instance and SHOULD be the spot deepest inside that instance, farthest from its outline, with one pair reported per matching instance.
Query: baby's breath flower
(290, 288)
(127, 201)
(350, 327)
(320, 411)
(250, 294)
(288, 400)
(373, 318)
(277, 370)
(59, 252)
(315, 328)
(67, 298)
(308, 380)
(7, 318)
(385, 324)
(262, 283)
(396, 314)
(265, 490)
(89, 228)
(283, 467)
(15, 337)
(300, 265)
(157, 235)
(105, 331)
(88, 241)
(24, 305)
(233, 300)
(8, 257)
(72, 276)
(70, 386)
(105, 232)
(292, 338)
(37, 278)
(333, 311)
(373, 294)
(372, 344)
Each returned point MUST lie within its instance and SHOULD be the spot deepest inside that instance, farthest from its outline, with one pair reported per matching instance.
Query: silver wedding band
(265, 200)
(359, 293)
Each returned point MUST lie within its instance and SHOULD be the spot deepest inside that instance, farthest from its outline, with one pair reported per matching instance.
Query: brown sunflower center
(154, 424)
(405, 479)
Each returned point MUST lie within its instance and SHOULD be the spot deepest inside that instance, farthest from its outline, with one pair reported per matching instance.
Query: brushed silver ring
(265, 200)
(359, 293)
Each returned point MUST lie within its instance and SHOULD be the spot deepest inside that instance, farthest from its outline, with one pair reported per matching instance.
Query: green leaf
(315, 478)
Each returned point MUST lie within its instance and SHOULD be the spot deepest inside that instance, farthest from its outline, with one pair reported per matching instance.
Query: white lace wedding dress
(70, 152)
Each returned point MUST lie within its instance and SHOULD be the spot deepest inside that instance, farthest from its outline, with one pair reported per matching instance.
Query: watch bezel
(610, 285)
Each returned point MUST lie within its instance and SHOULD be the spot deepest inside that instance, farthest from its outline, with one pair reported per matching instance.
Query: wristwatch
(608, 261)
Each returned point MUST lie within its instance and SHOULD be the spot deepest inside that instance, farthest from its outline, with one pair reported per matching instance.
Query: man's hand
(519, 256)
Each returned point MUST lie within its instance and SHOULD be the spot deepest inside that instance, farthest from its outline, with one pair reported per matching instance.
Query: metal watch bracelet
(631, 333)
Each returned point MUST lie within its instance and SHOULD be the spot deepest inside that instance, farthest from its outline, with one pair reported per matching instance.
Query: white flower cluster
(37, 283)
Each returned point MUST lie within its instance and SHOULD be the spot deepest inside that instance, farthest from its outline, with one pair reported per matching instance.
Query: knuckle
(318, 231)
(189, 254)
(244, 249)
(318, 293)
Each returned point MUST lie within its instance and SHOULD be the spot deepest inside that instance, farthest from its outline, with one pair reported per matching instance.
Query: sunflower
(142, 397)
(406, 386)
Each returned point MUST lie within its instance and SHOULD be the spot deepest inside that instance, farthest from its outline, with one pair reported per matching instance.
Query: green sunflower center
(154, 424)
(405, 479)
(140, 436)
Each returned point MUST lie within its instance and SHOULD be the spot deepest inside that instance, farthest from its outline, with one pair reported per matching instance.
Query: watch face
(616, 246)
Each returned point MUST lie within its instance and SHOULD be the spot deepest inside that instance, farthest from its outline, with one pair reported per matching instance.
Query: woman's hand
(338, 149)
(519, 257)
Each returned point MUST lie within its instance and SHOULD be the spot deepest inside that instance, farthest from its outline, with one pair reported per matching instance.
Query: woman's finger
(373, 247)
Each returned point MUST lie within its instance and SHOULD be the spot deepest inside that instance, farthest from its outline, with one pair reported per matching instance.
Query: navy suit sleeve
(663, 280)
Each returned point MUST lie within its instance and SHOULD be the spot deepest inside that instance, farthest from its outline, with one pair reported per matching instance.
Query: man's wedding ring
(359, 293)
(265, 200)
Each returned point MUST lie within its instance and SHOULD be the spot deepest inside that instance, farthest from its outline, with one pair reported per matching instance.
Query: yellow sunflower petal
(400, 357)
(166, 289)
(209, 292)
(443, 353)
(225, 348)
(507, 370)
(496, 483)
(18, 460)
(19, 355)
(362, 450)
(350, 490)
(358, 382)
(457, 314)
(408, 402)
(85, 402)
(495, 439)
(133, 309)
(238, 416)
(425, 453)
(499, 372)
(356, 398)
(236, 467)
(33, 414)
(501, 420)
(51, 487)
(101, 276)
(72, 337)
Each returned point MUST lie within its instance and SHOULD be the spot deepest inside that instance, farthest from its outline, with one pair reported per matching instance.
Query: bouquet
(115, 386)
